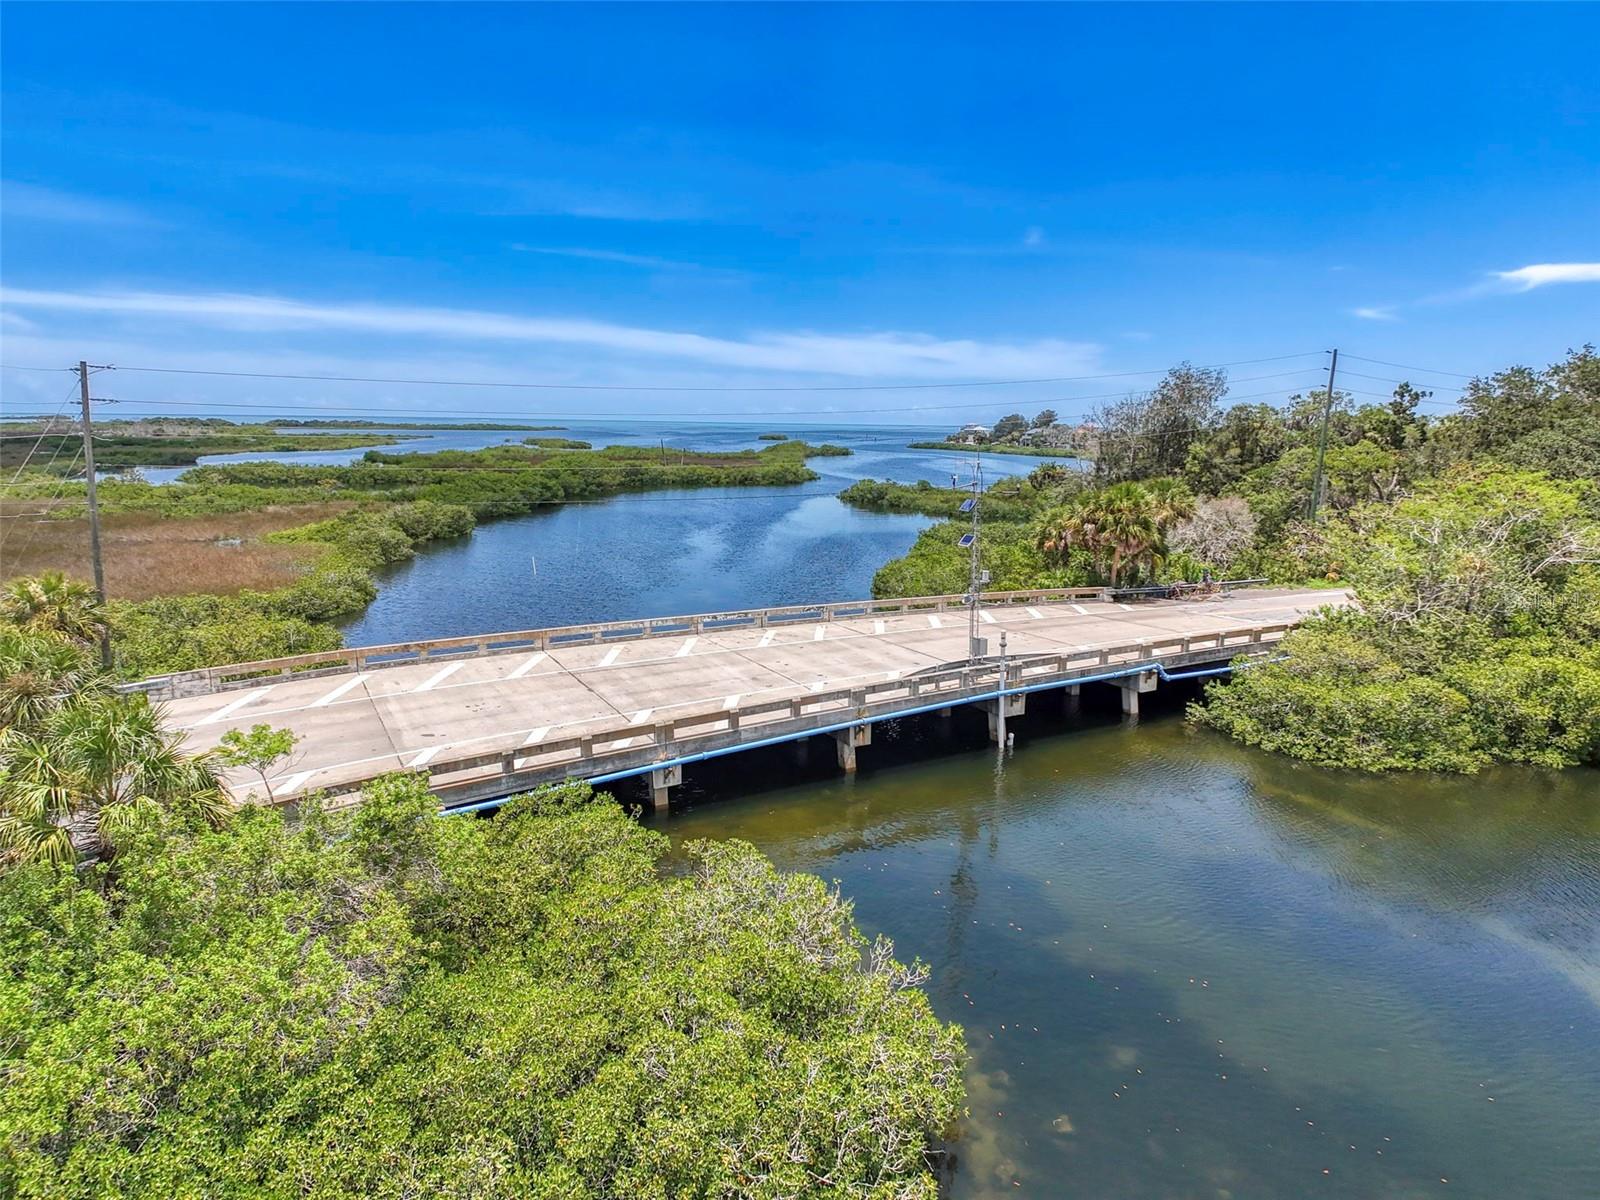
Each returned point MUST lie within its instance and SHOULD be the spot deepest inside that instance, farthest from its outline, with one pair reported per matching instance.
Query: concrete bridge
(487, 717)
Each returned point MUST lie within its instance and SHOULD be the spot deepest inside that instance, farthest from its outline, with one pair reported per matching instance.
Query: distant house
(972, 434)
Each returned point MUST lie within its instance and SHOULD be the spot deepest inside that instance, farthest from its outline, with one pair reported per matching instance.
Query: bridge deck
(359, 724)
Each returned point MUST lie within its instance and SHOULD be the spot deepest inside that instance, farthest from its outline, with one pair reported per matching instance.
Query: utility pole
(977, 647)
(1322, 442)
(94, 510)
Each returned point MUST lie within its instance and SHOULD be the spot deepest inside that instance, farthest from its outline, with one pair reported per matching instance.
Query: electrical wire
(389, 410)
(1432, 387)
(605, 387)
(66, 477)
(43, 433)
(1405, 367)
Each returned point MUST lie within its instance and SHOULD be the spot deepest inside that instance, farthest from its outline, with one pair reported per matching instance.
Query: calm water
(1190, 970)
(1185, 969)
(666, 552)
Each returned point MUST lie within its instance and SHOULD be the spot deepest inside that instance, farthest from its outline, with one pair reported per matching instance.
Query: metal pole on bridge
(1004, 701)
(976, 647)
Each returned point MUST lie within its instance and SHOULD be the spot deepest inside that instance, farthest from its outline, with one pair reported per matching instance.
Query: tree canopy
(389, 1003)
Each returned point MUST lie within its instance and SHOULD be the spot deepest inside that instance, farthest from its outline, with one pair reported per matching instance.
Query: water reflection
(1190, 970)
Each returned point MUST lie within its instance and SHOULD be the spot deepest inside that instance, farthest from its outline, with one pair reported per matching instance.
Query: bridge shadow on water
(904, 742)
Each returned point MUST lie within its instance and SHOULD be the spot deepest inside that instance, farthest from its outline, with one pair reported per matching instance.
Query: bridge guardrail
(206, 680)
(602, 750)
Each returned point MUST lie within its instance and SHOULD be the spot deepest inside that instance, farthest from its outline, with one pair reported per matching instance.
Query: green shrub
(394, 1004)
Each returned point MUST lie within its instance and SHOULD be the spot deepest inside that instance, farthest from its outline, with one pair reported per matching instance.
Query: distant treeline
(324, 423)
(59, 452)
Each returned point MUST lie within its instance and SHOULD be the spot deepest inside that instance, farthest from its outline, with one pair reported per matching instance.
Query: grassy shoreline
(258, 580)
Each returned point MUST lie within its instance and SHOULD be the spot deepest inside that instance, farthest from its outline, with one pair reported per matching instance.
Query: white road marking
(731, 703)
(294, 783)
(640, 717)
(1034, 613)
(536, 736)
(1080, 610)
(986, 618)
(611, 656)
(622, 743)
(818, 635)
(427, 755)
(443, 674)
(383, 761)
(528, 666)
(1125, 607)
(324, 701)
(877, 627)
(934, 622)
(766, 638)
(229, 709)
(687, 646)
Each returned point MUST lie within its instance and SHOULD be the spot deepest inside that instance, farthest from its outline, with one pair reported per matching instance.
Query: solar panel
(968, 504)
(967, 539)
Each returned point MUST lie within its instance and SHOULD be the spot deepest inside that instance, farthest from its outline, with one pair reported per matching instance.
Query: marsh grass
(148, 555)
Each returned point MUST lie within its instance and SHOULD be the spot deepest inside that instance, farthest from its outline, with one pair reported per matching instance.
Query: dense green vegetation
(772, 437)
(996, 448)
(1000, 503)
(1016, 434)
(393, 1004)
(198, 1000)
(1478, 640)
(555, 443)
(174, 442)
(81, 767)
(1472, 541)
(403, 500)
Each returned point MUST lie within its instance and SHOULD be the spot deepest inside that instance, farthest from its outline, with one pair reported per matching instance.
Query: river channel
(1190, 970)
(1186, 969)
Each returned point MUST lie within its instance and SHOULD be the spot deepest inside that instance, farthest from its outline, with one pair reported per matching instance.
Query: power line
(1407, 367)
(391, 411)
(606, 387)
(45, 432)
(712, 492)
(61, 484)
(1435, 387)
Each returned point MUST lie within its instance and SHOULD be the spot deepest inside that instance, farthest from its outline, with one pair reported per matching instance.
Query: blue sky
(787, 197)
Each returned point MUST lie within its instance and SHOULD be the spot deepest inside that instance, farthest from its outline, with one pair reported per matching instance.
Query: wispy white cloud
(878, 355)
(29, 201)
(1525, 279)
(649, 261)
(1033, 238)
(1375, 312)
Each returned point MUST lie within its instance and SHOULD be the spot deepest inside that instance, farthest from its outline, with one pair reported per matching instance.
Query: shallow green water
(1191, 970)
